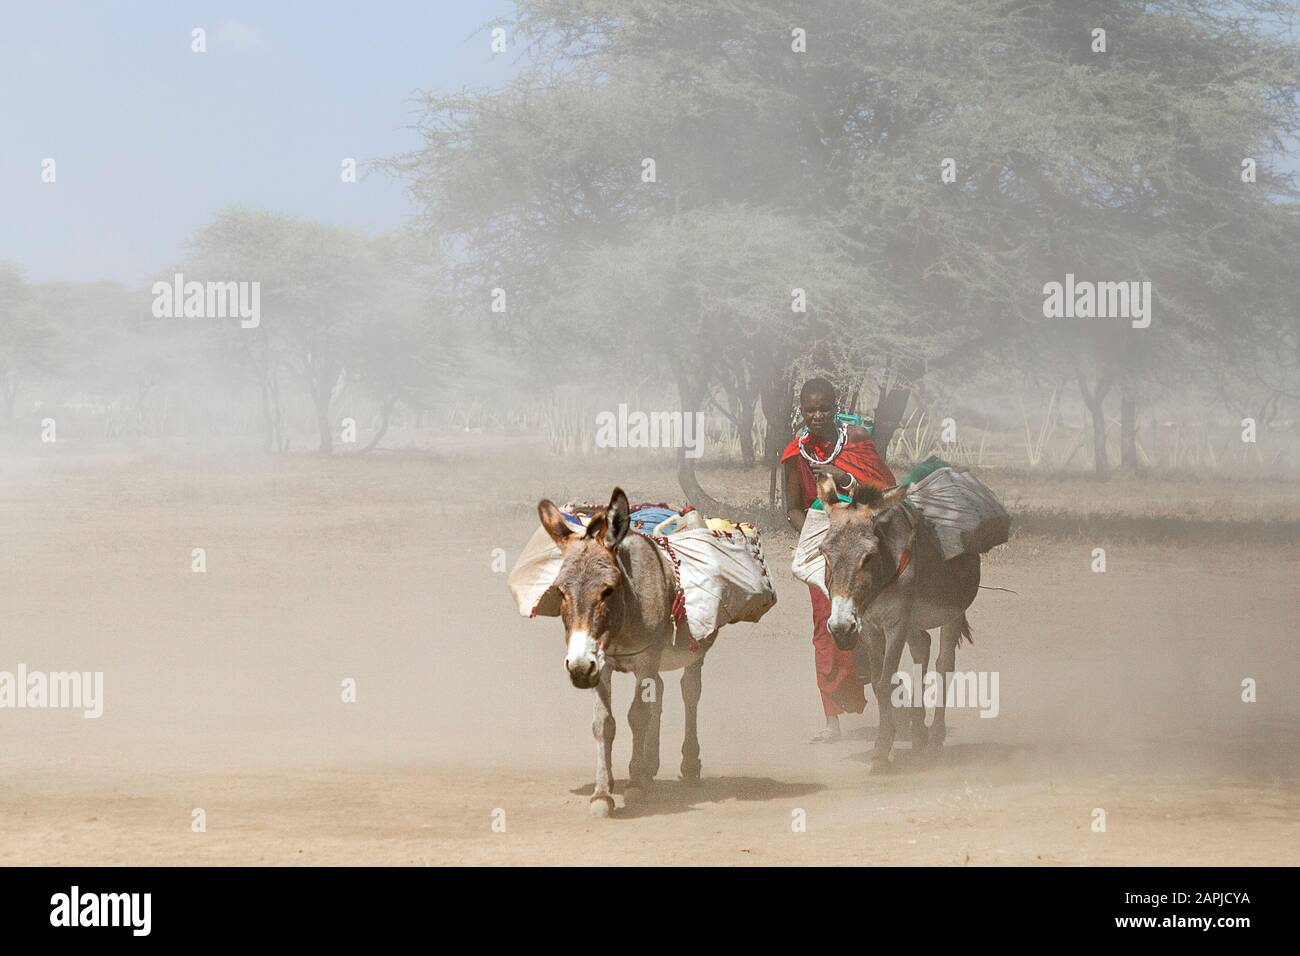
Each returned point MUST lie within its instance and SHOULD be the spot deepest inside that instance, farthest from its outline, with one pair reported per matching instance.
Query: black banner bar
(329, 905)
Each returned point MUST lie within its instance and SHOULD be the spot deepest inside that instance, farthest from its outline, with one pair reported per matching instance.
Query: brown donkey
(616, 592)
(886, 574)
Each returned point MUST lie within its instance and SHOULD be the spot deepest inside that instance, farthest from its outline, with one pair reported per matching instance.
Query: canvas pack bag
(808, 565)
(532, 578)
(721, 576)
(965, 516)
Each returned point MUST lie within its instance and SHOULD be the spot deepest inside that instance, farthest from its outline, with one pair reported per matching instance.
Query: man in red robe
(849, 456)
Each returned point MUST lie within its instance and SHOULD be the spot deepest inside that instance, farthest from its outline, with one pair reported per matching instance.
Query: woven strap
(679, 596)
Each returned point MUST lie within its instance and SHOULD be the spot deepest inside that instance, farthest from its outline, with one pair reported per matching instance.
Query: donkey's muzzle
(583, 660)
(583, 674)
(843, 623)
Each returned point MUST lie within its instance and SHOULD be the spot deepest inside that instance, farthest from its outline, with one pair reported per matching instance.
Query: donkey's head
(864, 545)
(590, 584)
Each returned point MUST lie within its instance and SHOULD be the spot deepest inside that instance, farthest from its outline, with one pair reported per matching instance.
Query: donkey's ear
(890, 498)
(619, 514)
(597, 526)
(553, 521)
(894, 521)
(826, 491)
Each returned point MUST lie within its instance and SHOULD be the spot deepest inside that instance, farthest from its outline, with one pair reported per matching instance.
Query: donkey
(616, 592)
(886, 574)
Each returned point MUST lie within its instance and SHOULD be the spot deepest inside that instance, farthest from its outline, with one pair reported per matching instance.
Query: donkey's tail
(964, 631)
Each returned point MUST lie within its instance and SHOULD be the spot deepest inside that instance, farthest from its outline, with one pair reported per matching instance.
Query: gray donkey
(616, 591)
(886, 574)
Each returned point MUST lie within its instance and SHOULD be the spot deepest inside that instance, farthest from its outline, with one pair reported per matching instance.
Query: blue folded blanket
(647, 519)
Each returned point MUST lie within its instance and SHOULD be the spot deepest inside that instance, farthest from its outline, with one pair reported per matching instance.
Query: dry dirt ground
(1119, 691)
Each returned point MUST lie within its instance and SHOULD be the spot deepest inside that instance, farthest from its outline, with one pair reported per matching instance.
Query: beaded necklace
(839, 445)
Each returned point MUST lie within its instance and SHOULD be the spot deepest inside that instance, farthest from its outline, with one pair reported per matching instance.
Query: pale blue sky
(151, 139)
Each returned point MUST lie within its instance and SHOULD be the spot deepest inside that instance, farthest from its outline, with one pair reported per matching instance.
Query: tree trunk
(1128, 456)
(691, 393)
(270, 441)
(271, 417)
(1101, 460)
(321, 399)
(322, 383)
(1095, 401)
(778, 409)
(690, 485)
(277, 416)
(383, 425)
(890, 407)
(745, 425)
(740, 412)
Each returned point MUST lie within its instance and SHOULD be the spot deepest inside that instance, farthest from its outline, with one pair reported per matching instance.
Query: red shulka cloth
(837, 670)
(859, 458)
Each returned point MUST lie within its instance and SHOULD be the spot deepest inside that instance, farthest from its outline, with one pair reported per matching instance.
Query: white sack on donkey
(722, 575)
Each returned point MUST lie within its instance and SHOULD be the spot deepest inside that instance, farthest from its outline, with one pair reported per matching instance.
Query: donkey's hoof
(881, 766)
(602, 805)
(691, 777)
(634, 795)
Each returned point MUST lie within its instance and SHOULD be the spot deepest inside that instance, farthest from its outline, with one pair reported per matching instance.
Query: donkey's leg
(874, 639)
(692, 685)
(949, 635)
(918, 645)
(650, 753)
(639, 717)
(602, 728)
(895, 638)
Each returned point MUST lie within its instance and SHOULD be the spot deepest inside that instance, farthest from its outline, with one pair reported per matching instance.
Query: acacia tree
(319, 286)
(403, 344)
(707, 294)
(250, 245)
(839, 115)
(119, 350)
(1117, 165)
(626, 117)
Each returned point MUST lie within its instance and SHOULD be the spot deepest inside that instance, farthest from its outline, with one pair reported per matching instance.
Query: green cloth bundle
(924, 468)
(921, 470)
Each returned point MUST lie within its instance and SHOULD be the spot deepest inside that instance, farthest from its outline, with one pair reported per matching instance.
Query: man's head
(818, 404)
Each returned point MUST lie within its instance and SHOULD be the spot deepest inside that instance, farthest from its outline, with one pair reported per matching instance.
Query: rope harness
(679, 595)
